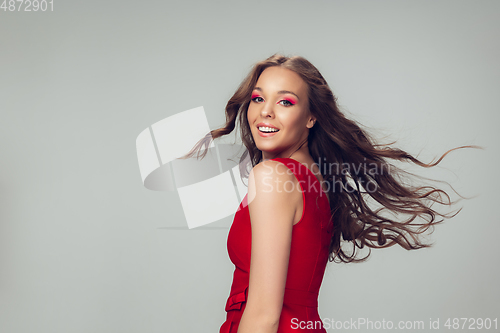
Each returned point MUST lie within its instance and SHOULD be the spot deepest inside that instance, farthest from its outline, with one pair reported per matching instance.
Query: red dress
(308, 258)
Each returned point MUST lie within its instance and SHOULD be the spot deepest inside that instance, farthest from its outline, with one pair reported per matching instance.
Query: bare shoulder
(272, 169)
(272, 185)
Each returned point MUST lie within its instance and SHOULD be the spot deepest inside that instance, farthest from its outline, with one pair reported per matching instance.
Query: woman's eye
(257, 99)
(285, 102)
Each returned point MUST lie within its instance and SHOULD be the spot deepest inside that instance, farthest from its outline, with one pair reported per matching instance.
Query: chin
(268, 151)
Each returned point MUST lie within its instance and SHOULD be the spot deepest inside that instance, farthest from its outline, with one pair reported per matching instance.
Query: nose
(267, 110)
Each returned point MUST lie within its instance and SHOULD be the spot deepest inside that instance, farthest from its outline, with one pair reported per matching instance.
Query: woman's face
(279, 100)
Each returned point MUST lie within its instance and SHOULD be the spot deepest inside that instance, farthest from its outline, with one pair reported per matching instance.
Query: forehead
(279, 78)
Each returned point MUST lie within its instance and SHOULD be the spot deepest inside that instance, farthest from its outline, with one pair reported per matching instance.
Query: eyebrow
(280, 92)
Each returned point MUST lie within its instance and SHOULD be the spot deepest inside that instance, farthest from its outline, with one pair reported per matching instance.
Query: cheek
(252, 113)
(249, 113)
(291, 121)
(250, 109)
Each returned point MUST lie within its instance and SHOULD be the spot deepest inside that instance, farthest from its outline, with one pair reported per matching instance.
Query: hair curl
(337, 140)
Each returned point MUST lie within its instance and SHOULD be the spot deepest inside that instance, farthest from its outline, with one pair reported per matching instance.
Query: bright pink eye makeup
(291, 100)
(285, 101)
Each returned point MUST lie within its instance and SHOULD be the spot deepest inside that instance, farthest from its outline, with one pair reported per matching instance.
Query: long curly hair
(362, 169)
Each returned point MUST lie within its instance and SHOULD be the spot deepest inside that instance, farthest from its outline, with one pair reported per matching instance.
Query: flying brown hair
(360, 163)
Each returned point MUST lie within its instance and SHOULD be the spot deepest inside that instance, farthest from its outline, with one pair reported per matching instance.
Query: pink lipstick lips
(267, 132)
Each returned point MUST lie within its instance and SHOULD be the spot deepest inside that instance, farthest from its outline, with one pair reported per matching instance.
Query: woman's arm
(273, 202)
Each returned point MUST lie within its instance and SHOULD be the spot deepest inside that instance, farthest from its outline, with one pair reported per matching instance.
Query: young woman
(312, 173)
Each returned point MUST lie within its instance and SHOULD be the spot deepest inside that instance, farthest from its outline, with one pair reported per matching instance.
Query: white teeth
(268, 129)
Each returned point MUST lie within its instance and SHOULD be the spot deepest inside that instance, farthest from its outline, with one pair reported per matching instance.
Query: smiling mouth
(264, 129)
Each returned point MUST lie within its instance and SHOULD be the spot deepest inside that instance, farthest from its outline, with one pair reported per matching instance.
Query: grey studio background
(85, 247)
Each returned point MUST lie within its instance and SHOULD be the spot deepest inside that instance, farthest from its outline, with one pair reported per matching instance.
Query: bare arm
(272, 205)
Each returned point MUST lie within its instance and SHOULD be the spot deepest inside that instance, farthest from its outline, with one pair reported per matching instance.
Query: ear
(311, 122)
